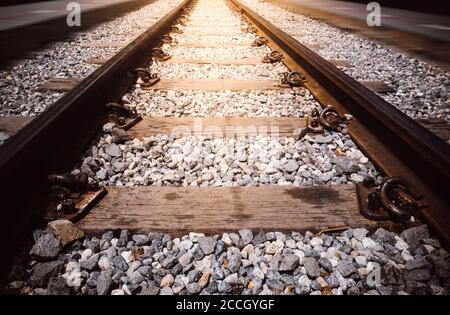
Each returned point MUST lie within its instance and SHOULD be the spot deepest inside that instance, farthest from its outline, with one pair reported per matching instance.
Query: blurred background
(430, 6)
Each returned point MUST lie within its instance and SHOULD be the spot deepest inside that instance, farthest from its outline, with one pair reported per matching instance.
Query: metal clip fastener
(291, 79)
(166, 38)
(123, 117)
(330, 119)
(251, 30)
(317, 122)
(146, 78)
(394, 199)
(272, 57)
(260, 41)
(72, 196)
(159, 54)
(175, 29)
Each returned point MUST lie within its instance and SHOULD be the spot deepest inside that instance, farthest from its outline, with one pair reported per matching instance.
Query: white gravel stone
(183, 103)
(162, 160)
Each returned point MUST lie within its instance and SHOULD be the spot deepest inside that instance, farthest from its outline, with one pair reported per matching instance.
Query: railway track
(181, 151)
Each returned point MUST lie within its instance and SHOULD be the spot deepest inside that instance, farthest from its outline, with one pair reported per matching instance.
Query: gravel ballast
(164, 160)
(297, 102)
(354, 262)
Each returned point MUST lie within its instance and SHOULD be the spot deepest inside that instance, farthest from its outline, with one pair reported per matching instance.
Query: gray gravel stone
(90, 263)
(413, 235)
(136, 277)
(224, 287)
(140, 239)
(120, 263)
(185, 259)
(166, 291)
(57, 286)
(113, 150)
(46, 247)
(259, 238)
(353, 290)
(290, 166)
(111, 252)
(41, 272)
(153, 290)
(325, 264)
(346, 268)
(186, 244)
(360, 234)
(193, 288)
(312, 267)
(246, 236)
(104, 283)
(194, 275)
(207, 244)
(169, 262)
(220, 248)
(416, 263)
(275, 285)
(288, 262)
(234, 259)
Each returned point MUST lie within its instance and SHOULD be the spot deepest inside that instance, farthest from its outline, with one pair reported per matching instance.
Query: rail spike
(394, 199)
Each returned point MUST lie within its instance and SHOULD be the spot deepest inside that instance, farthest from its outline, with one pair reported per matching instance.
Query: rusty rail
(396, 144)
(52, 142)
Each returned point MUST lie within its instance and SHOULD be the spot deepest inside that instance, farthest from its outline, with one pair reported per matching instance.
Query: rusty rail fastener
(147, 78)
(330, 119)
(72, 196)
(67, 187)
(175, 29)
(121, 116)
(260, 41)
(394, 199)
(159, 54)
(166, 38)
(292, 79)
(317, 122)
(272, 57)
(251, 29)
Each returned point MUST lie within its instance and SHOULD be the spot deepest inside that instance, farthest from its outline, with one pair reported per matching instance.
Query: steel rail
(53, 141)
(395, 143)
